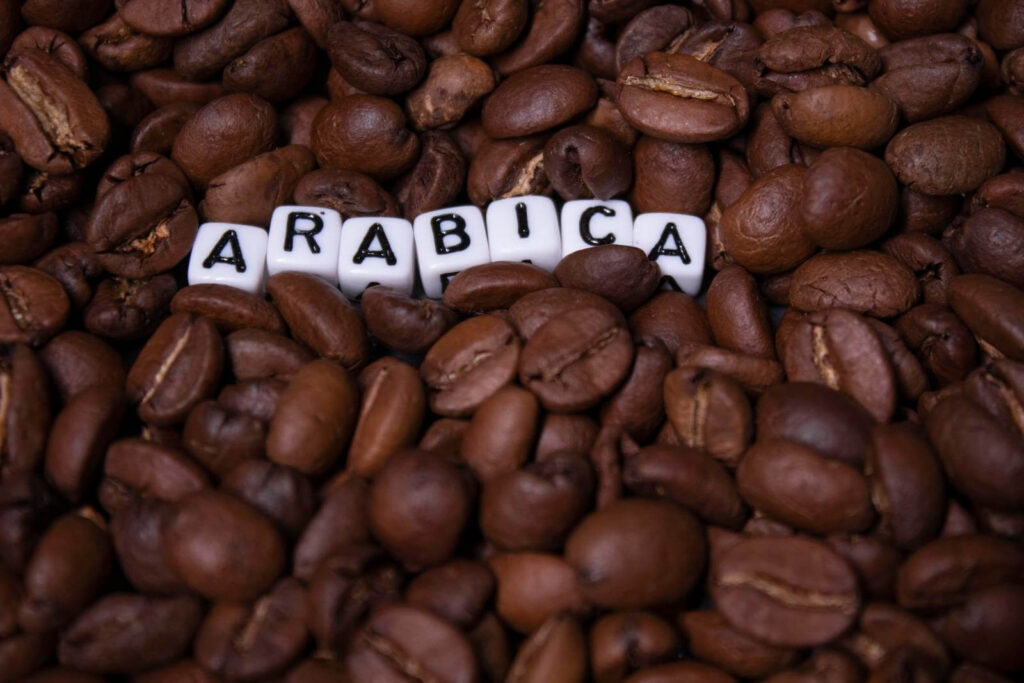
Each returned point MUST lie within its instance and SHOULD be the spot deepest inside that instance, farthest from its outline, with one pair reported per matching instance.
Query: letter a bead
(376, 251)
(229, 254)
(677, 243)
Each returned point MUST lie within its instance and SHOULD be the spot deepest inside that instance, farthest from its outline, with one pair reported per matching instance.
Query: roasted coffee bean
(350, 193)
(762, 231)
(709, 411)
(402, 323)
(919, 154)
(320, 317)
(947, 571)
(803, 57)
(276, 68)
(229, 308)
(204, 54)
(538, 99)
(487, 27)
(44, 192)
(436, 180)
(127, 633)
(983, 459)
(254, 641)
(670, 176)
(314, 419)
(177, 368)
(75, 266)
(404, 512)
(554, 494)
(501, 432)
(493, 286)
(222, 134)
(899, 21)
(713, 640)
(365, 133)
(220, 439)
(77, 361)
(754, 373)
(68, 568)
(551, 30)
(943, 343)
(508, 168)
(862, 281)
(726, 45)
(613, 553)
(24, 237)
(135, 468)
(79, 438)
(55, 121)
(533, 587)
(738, 316)
(622, 642)
(375, 58)
(297, 119)
(651, 30)
(933, 266)
(458, 591)
(256, 397)
(672, 319)
(783, 578)
(532, 311)
(137, 532)
(469, 363)
(148, 16)
(129, 309)
(681, 99)
(991, 309)
(118, 47)
(165, 87)
(987, 242)
(222, 548)
(773, 476)
(619, 273)
(638, 406)
(249, 192)
(583, 162)
(556, 651)
(885, 629)
(837, 116)
(849, 199)
(33, 305)
(573, 433)
(400, 638)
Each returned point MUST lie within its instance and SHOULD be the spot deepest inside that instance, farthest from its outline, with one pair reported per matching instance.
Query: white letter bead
(229, 254)
(304, 239)
(524, 229)
(677, 243)
(448, 241)
(590, 222)
(376, 251)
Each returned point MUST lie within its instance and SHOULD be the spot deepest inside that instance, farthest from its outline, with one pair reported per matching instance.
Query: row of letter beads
(387, 251)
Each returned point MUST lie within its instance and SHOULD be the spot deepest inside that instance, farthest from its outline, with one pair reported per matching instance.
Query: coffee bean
(320, 317)
(898, 21)
(651, 30)
(538, 99)
(621, 274)
(258, 640)
(59, 132)
(919, 154)
(180, 366)
(392, 413)
(554, 652)
(804, 57)
(839, 349)
(709, 412)
(79, 438)
(638, 406)
(622, 642)
(671, 176)
(551, 30)
(341, 522)
(763, 230)
(148, 16)
(24, 237)
(986, 242)
(672, 319)
(738, 316)
(488, 27)
(947, 571)
(135, 469)
(584, 162)
(403, 323)
(837, 116)
(365, 133)
(754, 373)
(612, 551)
(276, 68)
(129, 309)
(458, 591)
(884, 630)
(681, 99)
(558, 432)
(989, 307)
(165, 87)
(713, 640)
(137, 532)
(436, 180)
(33, 306)
(249, 192)
(930, 76)
(216, 139)
(118, 47)
(508, 168)
(495, 286)
(863, 281)
(229, 308)
(761, 584)
(500, 435)
(375, 58)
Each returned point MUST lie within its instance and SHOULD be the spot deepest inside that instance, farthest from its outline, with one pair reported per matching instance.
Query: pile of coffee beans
(811, 472)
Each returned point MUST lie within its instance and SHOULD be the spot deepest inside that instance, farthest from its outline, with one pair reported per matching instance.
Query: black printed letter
(236, 259)
(291, 232)
(458, 229)
(376, 232)
(524, 226)
(659, 249)
(585, 233)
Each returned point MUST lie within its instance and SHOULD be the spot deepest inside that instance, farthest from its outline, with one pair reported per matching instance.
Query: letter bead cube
(229, 254)
(304, 239)
(376, 251)
(447, 242)
(677, 243)
(590, 222)
(524, 229)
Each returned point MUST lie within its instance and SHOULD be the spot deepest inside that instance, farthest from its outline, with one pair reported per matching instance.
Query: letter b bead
(229, 254)
(448, 241)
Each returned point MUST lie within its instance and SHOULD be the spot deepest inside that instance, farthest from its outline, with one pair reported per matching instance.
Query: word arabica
(363, 251)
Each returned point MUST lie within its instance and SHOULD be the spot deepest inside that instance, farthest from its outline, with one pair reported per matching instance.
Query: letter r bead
(229, 254)
(305, 239)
